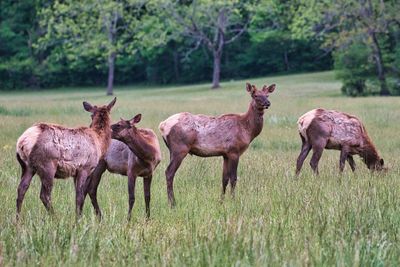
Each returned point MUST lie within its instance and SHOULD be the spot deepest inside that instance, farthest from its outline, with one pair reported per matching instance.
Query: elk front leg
(146, 189)
(131, 192)
(232, 167)
(351, 162)
(343, 157)
(229, 173)
(225, 176)
(92, 184)
(80, 188)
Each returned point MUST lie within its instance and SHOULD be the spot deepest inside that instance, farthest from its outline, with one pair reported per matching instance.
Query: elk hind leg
(305, 149)
(176, 158)
(46, 175)
(26, 178)
(317, 148)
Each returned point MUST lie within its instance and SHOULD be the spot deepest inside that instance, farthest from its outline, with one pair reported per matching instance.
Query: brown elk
(136, 152)
(330, 129)
(54, 151)
(228, 136)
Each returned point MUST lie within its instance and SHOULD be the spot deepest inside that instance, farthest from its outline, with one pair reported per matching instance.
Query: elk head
(123, 127)
(99, 114)
(260, 97)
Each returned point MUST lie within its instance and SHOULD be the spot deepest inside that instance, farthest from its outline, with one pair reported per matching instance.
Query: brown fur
(54, 151)
(137, 153)
(228, 136)
(330, 129)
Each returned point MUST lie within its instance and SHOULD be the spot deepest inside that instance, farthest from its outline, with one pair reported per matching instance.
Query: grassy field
(274, 220)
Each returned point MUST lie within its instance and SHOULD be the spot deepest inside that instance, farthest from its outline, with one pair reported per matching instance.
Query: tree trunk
(216, 70)
(176, 65)
(111, 65)
(286, 60)
(379, 64)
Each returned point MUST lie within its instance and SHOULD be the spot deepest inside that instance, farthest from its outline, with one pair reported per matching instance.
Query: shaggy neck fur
(101, 125)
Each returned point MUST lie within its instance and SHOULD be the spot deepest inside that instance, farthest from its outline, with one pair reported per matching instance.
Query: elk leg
(146, 189)
(175, 162)
(26, 179)
(351, 162)
(317, 153)
(225, 176)
(46, 175)
(92, 184)
(305, 149)
(343, 157)
(80, 188)
(232, 167)
(45, 192)
(131, 192)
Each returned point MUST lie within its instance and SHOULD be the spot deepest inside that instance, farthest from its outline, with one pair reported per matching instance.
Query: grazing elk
(228, 136)
(136, 152)
(54, 151)
(330, 129)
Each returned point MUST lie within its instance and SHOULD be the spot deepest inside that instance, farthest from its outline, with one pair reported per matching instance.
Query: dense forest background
(46, 44)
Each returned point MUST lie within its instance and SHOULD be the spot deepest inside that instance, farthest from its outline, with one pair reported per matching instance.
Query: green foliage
(372, 25)
(66, 43)
(353, 68)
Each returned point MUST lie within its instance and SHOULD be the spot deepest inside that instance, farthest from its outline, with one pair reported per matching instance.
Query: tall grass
(275, 218)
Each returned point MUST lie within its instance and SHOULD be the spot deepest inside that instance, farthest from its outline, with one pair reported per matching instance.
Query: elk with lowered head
(136, 152)
(54, 151)
(228, 135)
(331, 129)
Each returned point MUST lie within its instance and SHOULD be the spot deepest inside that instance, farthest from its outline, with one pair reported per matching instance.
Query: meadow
(275, 219)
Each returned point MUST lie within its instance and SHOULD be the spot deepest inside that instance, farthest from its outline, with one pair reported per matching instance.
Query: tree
(343, 23)
(213, 24)
(99, 28)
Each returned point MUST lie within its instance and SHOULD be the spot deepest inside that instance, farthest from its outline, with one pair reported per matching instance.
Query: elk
(228, 135)
(331, 129)
(135, 152)
(54, 151)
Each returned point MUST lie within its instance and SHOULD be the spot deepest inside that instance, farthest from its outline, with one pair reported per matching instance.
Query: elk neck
(101, 125)
(369, 155)
(139, 145)
(254, 120)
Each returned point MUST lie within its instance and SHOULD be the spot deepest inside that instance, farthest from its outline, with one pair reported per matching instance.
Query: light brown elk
(330, 129)
(136, 152)
(54, 151)
(228, 136)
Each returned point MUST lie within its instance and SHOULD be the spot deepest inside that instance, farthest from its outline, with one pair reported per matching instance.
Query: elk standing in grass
(228, 136)
(330, 129)
(54, 151)
(136, 152)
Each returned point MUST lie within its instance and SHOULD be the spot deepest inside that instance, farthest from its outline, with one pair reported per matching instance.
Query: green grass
(275, 219)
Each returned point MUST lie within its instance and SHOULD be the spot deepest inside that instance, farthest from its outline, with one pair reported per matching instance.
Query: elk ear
(381, 162)
(251, 89)
(88, 107)
(269, 89)
(109, 106)
(136, 119)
